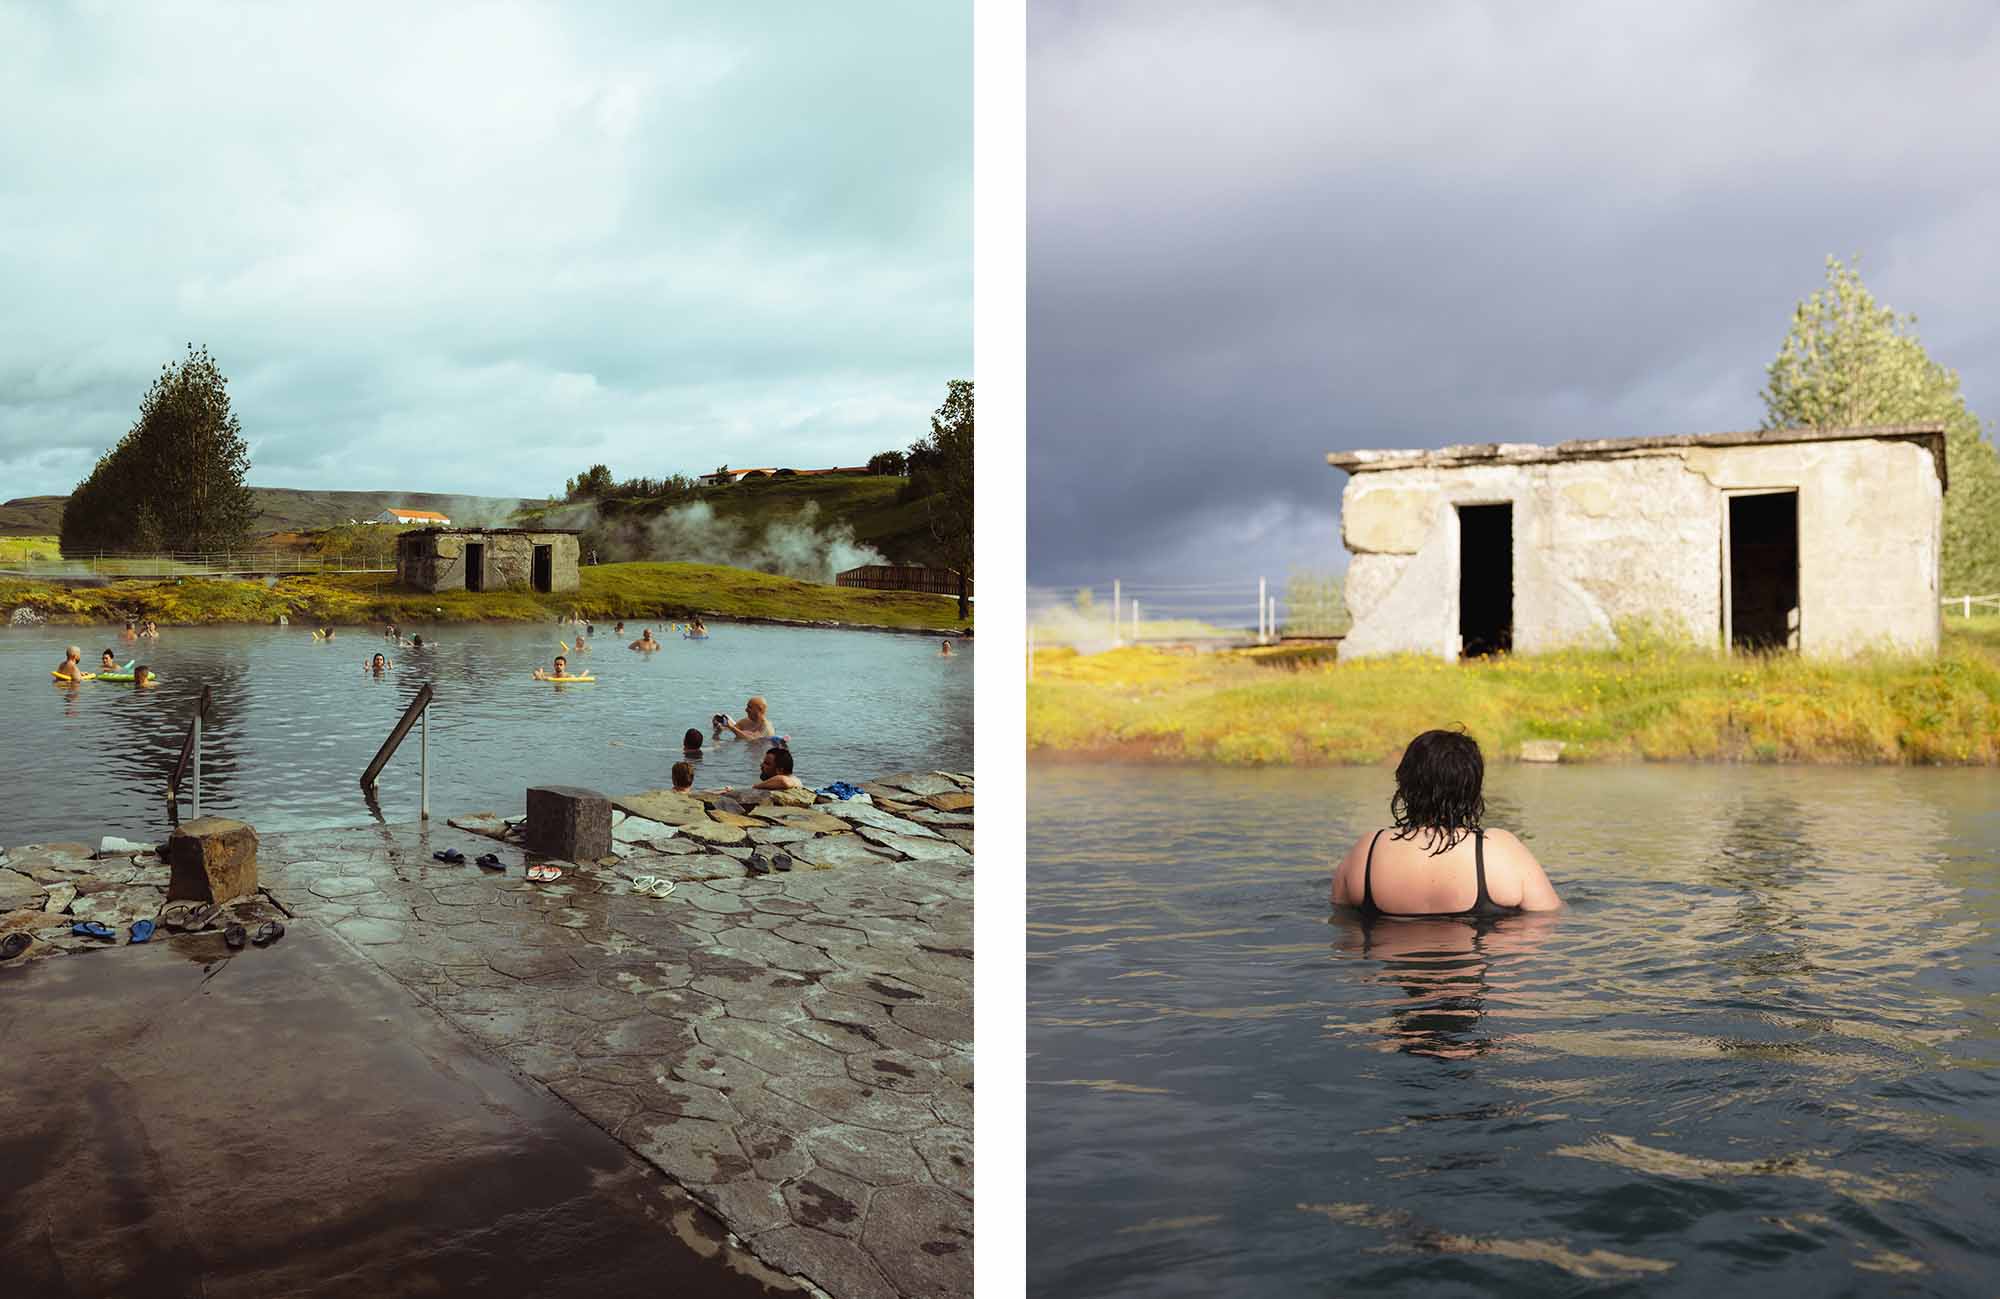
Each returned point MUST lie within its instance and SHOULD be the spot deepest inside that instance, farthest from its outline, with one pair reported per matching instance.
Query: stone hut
(487, 559)
(1823, 541)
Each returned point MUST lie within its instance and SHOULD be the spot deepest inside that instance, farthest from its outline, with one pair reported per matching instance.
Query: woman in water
(378, 663)
(691, 744)
(1435, 859)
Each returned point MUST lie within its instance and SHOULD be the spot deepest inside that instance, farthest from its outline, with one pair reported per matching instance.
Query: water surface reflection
(1760, 1041)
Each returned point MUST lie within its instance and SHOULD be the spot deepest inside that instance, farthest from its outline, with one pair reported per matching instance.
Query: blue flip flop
(92, 929)
(142, 931)
(450, 856)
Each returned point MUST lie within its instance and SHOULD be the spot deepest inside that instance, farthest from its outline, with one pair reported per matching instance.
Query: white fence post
(1262, 609)
(1117, 621)
(1968, 606)
(1135, 620)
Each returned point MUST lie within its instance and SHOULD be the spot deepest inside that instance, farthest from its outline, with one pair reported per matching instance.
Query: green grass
(609, 591)
(26, 549)
(1647, 700)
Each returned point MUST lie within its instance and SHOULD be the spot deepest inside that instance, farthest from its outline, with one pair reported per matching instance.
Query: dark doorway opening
(1764, 571)
(545, 568)
(475, 566)
(1485, 579)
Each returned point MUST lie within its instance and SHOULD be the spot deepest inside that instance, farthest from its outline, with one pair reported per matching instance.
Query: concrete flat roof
(1528, 453)
(491, 532)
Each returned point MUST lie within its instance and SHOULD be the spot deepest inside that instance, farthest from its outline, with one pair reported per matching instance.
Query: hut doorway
(545, 568)
(1761, 606)
(1485, 580)
(475, 566)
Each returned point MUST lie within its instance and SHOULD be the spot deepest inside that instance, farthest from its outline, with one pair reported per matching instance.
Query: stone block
(568, 822)
(213, 859)
(1542, 750)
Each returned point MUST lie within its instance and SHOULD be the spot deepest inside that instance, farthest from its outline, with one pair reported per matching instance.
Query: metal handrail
(190, 749)
(419, 709)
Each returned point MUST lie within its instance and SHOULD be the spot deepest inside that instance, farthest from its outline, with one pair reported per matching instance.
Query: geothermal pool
(1759, 1052)
(295, 721)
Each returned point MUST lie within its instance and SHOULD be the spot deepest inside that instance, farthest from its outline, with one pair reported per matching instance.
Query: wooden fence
(903, 577)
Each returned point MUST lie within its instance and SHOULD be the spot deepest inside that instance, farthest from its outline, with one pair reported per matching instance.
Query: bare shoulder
(1347, 875)
(1517, 859)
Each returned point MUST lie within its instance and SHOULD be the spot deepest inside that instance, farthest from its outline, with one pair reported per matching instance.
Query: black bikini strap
(1368, 875)
(1479, 867)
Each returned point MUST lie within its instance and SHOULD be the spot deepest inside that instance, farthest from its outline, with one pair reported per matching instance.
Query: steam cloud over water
(794, 546)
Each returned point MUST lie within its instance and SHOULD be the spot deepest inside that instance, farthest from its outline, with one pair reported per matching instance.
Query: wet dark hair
(1437, 789)
(683, 774)
(691, 740)
(781, 761)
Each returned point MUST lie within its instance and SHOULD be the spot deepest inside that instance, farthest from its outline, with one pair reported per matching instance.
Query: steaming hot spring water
(295, 721)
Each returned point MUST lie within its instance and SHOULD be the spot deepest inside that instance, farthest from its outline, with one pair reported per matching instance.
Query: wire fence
(247, 563)
(1252, 611)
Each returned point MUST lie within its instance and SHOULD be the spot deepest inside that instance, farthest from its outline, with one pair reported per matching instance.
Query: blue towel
(841, 789)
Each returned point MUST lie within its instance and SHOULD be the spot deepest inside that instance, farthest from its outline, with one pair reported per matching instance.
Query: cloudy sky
(1261, 232)
(476, 248)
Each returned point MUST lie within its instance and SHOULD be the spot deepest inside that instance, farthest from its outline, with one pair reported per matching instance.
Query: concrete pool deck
(793, 1049)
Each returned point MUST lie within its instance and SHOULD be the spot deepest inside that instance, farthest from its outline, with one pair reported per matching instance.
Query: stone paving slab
(793, 1049)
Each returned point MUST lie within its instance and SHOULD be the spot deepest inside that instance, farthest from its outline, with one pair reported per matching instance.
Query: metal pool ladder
(190, 750)
(419, 710)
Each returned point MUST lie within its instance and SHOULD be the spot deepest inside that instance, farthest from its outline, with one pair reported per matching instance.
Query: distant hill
(285, 509)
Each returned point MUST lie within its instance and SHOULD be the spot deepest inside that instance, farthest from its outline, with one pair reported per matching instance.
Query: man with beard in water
(1437, 860)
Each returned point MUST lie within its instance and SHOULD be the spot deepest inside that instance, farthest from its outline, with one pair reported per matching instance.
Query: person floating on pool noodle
(645, 644)
(72, 666)
(1438, 799)
(108, 663)
(559, 673)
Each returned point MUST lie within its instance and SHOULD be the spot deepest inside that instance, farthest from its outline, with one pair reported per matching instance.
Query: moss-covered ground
(609, 591)
(1646, 700)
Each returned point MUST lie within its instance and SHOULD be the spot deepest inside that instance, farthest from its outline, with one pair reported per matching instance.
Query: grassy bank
(610, 591)
(1644, 701)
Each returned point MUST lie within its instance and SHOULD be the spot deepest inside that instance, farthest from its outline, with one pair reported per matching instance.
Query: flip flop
(782, 861)
(14, 944)
(203, 915)
(661, 889)
(267, 933)
(450, 856)
(92, 929)
(544, 874)
(758, 864)
(491, 861)
(644, 883)
(142, 931)
(233, 936)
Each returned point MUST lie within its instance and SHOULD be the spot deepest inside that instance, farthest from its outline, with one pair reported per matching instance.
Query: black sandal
(233, 937)
(267, 933)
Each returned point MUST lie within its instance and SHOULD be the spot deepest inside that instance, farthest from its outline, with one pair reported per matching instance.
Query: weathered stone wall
(1641, 536)
(436, 561)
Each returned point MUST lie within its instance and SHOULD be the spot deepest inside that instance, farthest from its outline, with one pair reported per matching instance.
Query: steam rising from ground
(797, 545)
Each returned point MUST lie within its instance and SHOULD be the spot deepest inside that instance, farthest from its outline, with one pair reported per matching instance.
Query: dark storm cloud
(1263, 232)
(472, 248)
